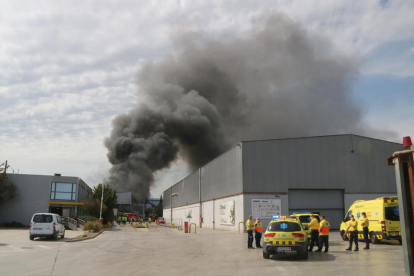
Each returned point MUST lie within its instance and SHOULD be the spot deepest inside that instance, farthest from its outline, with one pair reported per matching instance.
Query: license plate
(37, 228)
(393, 233)
(284, 248)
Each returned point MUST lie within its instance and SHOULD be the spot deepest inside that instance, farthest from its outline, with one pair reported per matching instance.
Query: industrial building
(63, 195)
(323, 174)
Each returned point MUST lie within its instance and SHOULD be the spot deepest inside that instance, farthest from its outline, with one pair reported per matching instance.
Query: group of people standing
(353, 232)
(257, 227)
(319, 234)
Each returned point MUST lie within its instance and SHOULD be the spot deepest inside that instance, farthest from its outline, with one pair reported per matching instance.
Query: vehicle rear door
(392, 218)
(48, 225)
(40, 223)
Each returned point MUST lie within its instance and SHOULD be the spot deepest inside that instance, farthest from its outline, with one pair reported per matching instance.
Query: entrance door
(56, 210)
(324, 202)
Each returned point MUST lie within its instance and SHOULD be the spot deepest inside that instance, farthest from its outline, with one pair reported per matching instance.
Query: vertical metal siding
(223, 175)
(319, 163)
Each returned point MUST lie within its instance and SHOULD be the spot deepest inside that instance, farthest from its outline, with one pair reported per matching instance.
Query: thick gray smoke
(279, 81)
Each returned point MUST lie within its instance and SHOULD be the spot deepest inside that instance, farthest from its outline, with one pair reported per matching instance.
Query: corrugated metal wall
(187, 191)
(223, 175)
(353, 163)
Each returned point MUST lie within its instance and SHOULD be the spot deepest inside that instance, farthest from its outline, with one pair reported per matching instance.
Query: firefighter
(249, 228)
(324, 227)
(314, 226)
(353, 229)
(258, 228)
(365, 229)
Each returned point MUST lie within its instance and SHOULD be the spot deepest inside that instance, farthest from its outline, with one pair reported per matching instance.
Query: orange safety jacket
(324, 227)
(258, 227)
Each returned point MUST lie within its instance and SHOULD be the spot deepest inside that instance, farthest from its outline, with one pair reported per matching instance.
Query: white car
(46, 225)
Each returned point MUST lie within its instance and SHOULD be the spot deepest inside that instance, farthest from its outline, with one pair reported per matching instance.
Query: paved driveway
(128, 251)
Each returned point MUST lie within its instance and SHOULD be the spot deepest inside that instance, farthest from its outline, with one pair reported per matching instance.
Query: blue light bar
(276, 217)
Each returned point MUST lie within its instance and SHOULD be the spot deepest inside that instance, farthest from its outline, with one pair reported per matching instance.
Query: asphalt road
(128, 251)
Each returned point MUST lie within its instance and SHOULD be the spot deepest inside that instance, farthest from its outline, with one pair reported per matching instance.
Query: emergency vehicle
(383, 215)
(305, 218)
(285, 235)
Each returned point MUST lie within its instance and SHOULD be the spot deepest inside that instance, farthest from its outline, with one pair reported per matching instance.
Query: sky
(67, 68)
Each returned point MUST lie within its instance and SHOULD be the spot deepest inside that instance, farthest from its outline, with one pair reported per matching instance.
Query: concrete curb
(84, 239)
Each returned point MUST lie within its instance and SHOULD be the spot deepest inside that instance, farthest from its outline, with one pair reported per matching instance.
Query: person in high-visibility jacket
(324, 227)
(149, 220)
(353, 229)
(314, 226)
(365, 229)
(258, 228)
(249, 228)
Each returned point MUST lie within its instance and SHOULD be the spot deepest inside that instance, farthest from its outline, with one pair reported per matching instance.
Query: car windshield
(43, 218)
(307, 219)
(392, 213)
(284, 226)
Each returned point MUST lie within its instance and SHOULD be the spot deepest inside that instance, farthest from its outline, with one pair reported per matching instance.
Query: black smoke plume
(278, 81)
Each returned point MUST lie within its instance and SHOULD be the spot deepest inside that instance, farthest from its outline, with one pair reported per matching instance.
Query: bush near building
(93, 225)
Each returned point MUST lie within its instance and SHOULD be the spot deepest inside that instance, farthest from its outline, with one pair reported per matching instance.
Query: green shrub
(93, 225)
(88, 218)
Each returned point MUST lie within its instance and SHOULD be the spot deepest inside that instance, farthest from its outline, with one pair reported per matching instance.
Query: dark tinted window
(307, 219)
(392, 213)
(43, 218)
(284, 226)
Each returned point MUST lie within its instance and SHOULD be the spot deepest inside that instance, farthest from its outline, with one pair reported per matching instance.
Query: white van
(46, 225)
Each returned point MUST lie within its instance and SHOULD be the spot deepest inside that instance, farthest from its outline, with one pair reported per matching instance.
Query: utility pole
(5, 168)
(100, 214)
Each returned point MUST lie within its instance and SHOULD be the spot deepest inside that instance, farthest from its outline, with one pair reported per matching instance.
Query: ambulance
(383, 215)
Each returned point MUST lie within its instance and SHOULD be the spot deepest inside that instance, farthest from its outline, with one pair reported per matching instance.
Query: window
(307, 219)
(43, 218)
(392, 213)
(63, 191)
(284, 226)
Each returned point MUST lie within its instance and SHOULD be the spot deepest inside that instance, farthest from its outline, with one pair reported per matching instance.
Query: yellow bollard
(241, 222)
(146, 225)
(136, 225)
(195, 228)
(172, 225)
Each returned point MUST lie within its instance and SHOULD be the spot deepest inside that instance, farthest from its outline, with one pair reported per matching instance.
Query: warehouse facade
(63, 195)
(323, 174)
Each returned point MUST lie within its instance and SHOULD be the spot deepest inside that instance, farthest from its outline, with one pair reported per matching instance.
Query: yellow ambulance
(383, 215)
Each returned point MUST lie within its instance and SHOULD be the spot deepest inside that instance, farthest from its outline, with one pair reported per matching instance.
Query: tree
(8, 190)
(109, 200)
(93, 207)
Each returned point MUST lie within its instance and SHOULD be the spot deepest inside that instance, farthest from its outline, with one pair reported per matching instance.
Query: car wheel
(344, 236)
(374, 239)
(63, 235)
(55, 235)
(31, 237)
(266, 256)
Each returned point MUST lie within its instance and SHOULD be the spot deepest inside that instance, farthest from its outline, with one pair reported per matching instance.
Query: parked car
(160, 220)
(46, 225)
(285, 236)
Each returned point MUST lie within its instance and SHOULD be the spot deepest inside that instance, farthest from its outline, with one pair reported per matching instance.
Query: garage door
(325, 202)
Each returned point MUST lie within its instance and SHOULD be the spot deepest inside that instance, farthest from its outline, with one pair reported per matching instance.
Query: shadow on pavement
(313, 257)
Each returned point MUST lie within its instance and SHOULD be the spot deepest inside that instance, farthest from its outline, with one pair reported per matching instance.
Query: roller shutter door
(325, 202)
